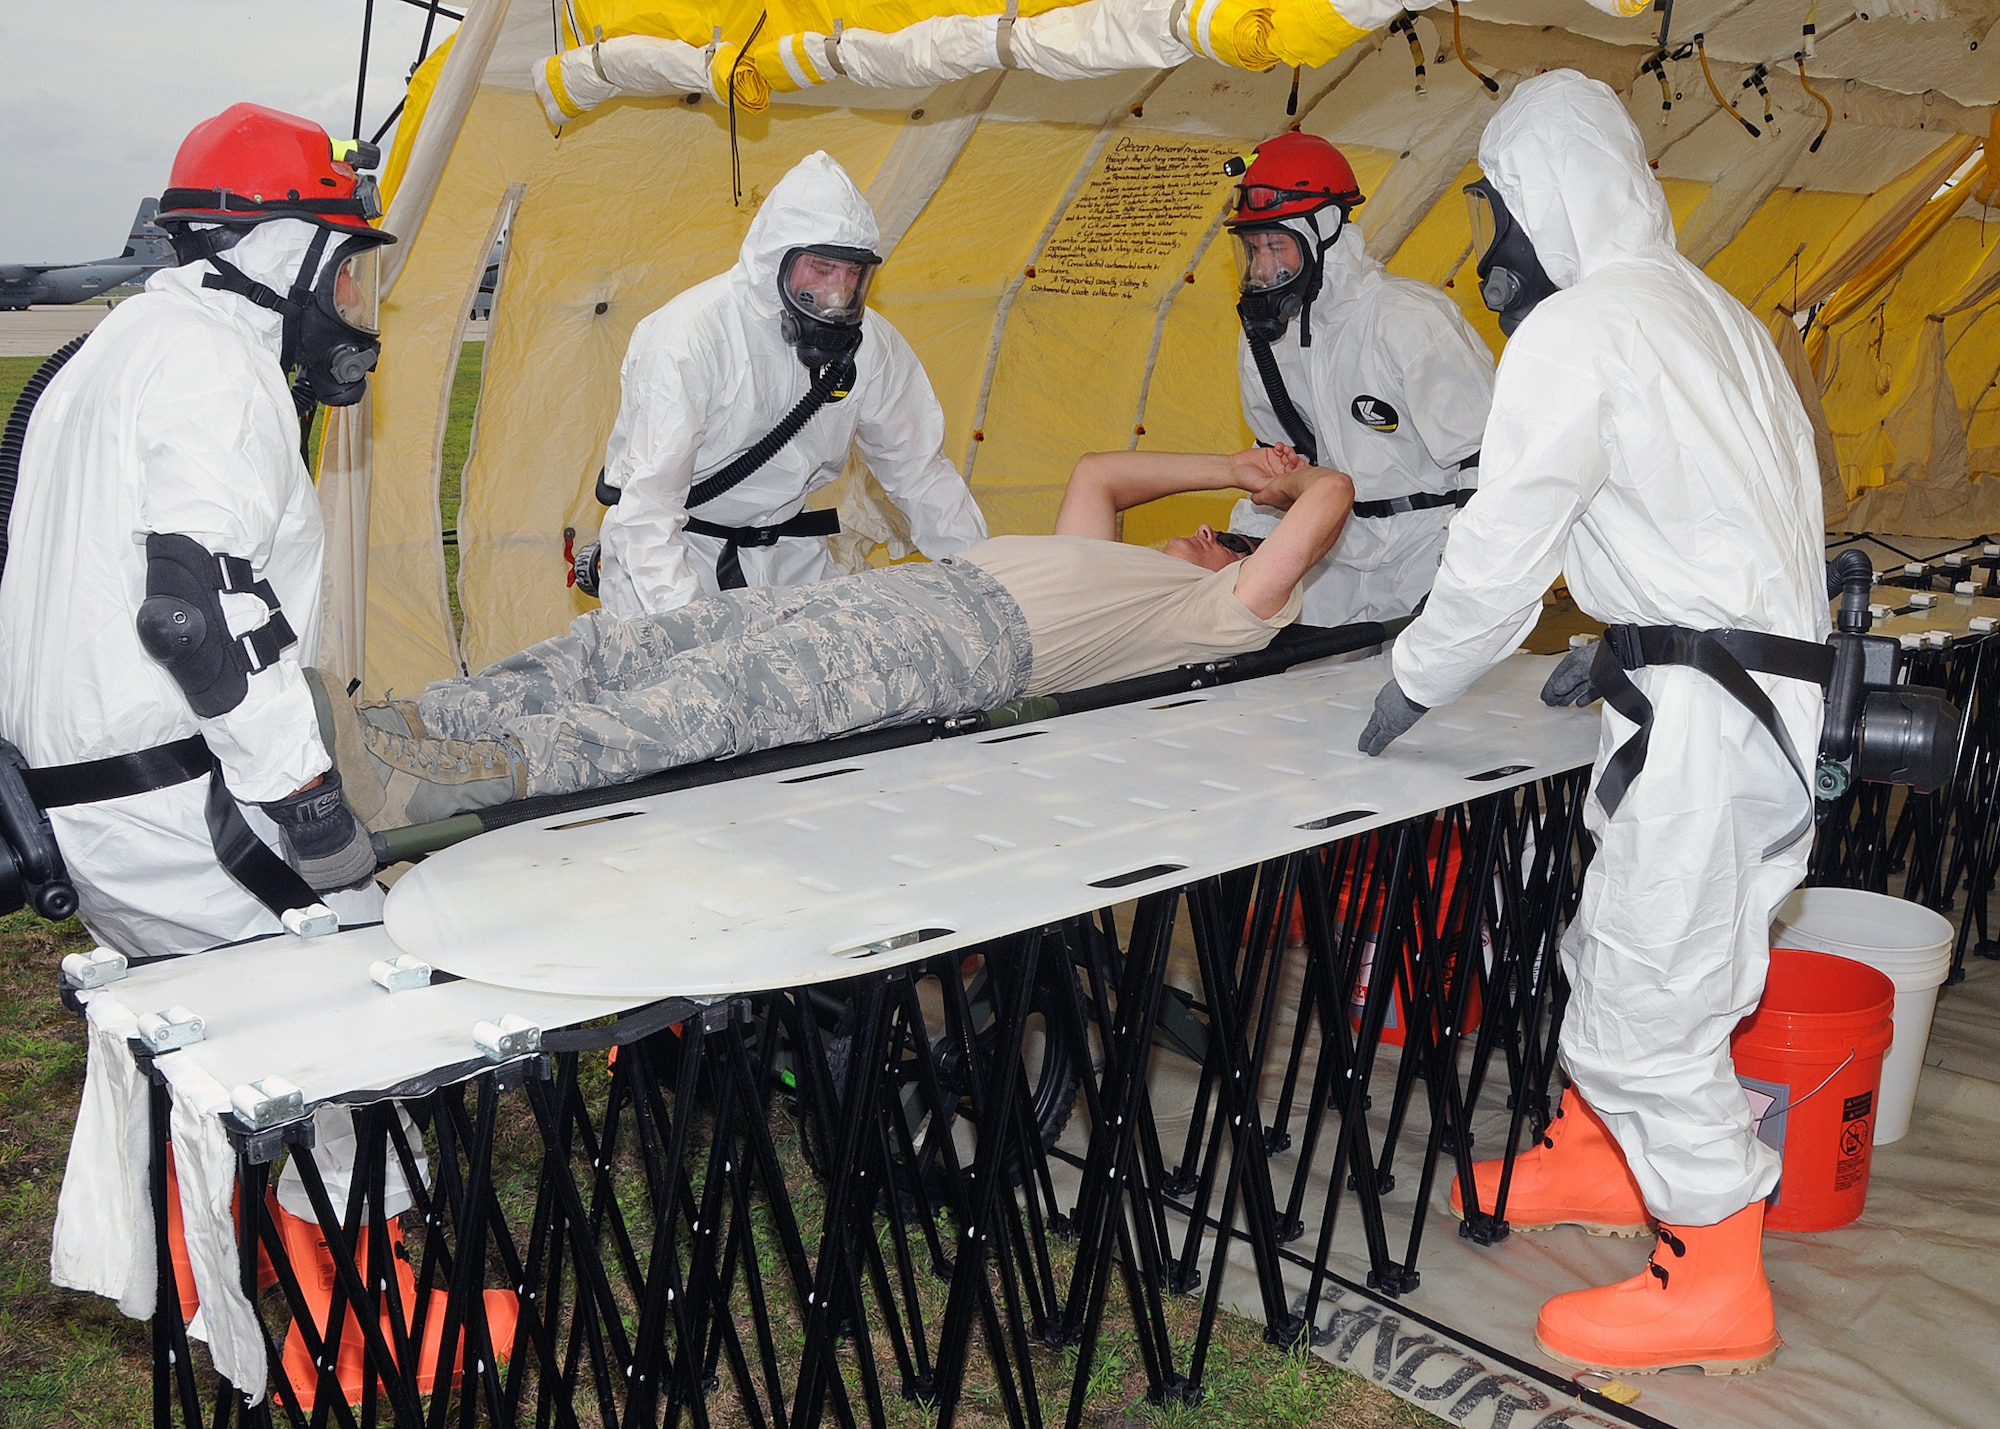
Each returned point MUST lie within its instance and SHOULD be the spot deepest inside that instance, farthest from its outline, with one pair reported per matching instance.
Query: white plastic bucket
(1905, 940)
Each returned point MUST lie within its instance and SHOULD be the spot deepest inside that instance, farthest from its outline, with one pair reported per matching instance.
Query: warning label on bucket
(1852, 1167)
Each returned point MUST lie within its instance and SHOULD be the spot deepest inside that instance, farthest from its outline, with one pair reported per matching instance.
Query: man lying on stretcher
(614, 700)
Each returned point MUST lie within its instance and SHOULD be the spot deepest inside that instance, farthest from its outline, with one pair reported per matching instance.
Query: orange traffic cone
(313, 1263)
(1702, 1300)
(177, 1249)
(1575, 1176)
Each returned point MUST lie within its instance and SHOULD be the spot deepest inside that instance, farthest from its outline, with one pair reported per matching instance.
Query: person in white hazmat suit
(162, 588)
(161, 602)
(1646, 441)
(1377, 376)
(743, 396)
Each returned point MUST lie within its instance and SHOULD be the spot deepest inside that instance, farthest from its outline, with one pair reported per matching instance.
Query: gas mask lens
(1512, 281)
(1267, 259)
(828, 285)
(1485, 228)
(357, 288)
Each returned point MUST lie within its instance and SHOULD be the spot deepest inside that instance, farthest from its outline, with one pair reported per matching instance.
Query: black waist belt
(246, 858)
(1422, 501)
(121, 776)
(1725, 656)
(728, 569)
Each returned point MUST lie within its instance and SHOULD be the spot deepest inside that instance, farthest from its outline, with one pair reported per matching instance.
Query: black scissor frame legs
(610, 1233)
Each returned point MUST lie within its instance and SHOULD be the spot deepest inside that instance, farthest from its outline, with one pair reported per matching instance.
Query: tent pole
(361, 77)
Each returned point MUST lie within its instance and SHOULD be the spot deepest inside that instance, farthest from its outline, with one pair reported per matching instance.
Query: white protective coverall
(173, 418)
(1395, 388)
(1646, 442)
(710, 373)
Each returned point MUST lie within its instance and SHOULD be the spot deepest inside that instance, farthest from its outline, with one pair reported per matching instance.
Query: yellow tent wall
(1109, 190)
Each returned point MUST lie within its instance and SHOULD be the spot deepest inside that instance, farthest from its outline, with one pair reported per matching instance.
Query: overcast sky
(96, 95)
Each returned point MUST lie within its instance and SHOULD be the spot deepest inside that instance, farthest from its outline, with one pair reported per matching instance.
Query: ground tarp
(1889, 1321)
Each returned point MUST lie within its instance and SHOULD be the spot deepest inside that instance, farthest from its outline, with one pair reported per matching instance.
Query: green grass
(65, 1358)
(451, 476)
(14, 375)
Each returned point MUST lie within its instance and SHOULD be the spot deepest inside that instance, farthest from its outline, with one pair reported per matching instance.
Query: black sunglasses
(1239, 544)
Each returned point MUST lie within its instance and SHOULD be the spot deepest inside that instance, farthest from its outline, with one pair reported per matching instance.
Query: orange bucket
(1810, 1058)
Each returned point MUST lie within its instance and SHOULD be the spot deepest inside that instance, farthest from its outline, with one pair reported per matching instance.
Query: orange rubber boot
(1702, 1300)
(1575, 1176)
(312, 1262)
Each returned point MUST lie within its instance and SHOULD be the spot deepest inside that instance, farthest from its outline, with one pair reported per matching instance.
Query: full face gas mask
(330, 313)
(1277, 273)
(339, 338)
(1511, 278)
(823, 292)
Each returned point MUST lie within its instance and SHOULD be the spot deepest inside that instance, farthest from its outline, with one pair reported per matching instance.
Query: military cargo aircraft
(146, 249)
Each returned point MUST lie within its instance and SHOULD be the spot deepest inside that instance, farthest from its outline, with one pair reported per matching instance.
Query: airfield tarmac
(40, 331)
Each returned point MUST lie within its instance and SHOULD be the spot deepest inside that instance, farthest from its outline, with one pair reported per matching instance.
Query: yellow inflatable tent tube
(1244, 34)
(782, 54)
(1310, 32)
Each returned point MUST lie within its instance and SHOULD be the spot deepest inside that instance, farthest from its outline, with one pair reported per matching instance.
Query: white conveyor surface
(1951, 614)
(305, 1009)
(787, 879)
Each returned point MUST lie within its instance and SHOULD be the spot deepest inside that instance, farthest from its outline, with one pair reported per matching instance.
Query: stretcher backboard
(827, 871)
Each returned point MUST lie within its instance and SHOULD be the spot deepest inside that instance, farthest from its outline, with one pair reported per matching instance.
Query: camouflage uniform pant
(748, 669)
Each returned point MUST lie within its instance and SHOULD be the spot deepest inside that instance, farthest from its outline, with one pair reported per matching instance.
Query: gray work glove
(1394, 713)
(322, 838)
(1569, 683)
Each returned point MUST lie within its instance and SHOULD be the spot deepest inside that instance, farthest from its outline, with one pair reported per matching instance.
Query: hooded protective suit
(710, 373)
(1646, 441)
(1395, 388)
(173, 418)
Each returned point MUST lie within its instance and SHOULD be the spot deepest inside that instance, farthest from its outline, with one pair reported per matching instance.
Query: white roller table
(306, 1009)
(820, 873)
(1953, 617)
(788, 879)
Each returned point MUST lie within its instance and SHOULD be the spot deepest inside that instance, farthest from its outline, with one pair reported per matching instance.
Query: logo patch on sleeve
(1374, 414)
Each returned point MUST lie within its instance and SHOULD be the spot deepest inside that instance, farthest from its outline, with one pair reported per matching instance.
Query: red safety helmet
(1291, 175)
(250, 164)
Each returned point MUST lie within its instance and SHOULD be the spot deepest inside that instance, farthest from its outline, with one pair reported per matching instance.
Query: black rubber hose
(16, 433)
(1281, 400)
(836, 376)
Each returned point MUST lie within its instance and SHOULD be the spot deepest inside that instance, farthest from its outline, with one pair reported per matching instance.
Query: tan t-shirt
(1103, 610)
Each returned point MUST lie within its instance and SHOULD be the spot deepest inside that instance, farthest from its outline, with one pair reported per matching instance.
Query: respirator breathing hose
(16, 432)
(1281, 400)
(836, 377)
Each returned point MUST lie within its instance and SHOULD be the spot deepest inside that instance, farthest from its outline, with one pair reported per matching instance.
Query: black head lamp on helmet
(1512, 280)
(250, 165)
(823, 296)
(1281, 231)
